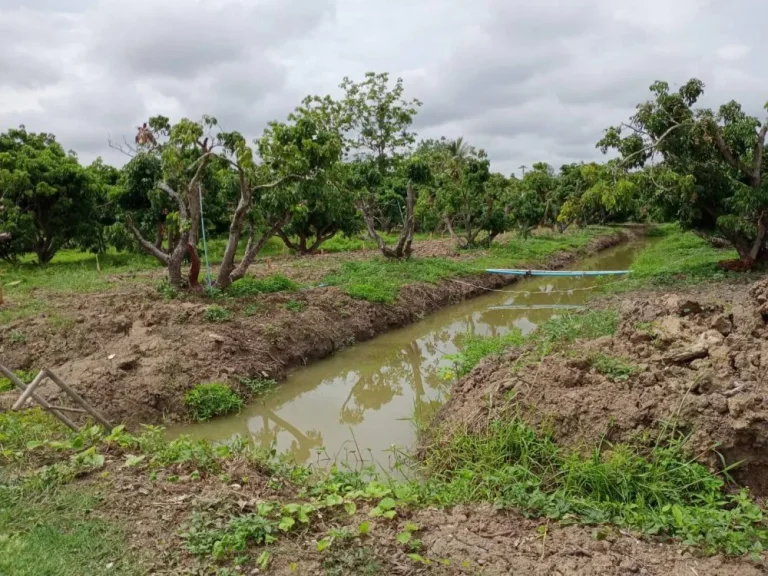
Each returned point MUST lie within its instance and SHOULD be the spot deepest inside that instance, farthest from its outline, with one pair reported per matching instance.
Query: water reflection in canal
(359, 402)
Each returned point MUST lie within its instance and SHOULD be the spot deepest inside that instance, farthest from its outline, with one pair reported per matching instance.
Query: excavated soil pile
(699, 360)
(133, 354)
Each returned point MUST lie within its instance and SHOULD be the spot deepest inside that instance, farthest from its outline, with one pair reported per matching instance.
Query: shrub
(248, 286)
(208, 400)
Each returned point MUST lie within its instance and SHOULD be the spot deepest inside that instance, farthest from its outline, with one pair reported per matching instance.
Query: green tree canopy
(46, 197)
(707, 167)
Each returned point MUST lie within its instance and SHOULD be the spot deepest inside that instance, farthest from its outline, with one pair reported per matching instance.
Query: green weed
(657, 491)
(474, 348)
(249, 286)
(17, 337)
(613, 368)
(295, 306)
(213, 399)
(259, 386)
(216, 313)
(25, 376)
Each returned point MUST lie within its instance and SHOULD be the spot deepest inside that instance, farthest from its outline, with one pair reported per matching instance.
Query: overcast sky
(528, 80)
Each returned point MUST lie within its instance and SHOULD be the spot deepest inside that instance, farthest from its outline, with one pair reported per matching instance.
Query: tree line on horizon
(352, 165)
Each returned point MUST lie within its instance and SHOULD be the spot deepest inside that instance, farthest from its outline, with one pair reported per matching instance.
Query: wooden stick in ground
(37, 398)
(67, 409)
(78, 400)
(30, 389)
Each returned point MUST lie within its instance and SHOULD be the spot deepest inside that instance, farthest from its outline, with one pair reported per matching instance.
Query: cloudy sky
(528, 80)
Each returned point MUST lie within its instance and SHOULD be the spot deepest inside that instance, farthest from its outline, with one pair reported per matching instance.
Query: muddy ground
(469, 540)
(700, 360)
(133, 354)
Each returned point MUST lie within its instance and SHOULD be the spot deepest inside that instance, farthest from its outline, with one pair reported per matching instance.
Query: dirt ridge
(134, 354)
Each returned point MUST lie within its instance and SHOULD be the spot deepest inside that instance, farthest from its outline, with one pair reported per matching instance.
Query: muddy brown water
(358, 404)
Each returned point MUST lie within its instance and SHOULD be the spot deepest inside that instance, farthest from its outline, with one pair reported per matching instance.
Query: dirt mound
(133, 354)
(698, 360)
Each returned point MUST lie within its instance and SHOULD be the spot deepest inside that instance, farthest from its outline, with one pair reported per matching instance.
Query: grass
(54, 533)
(678, 258)
(259, 386)
(216, 313)
(380, 279)
(474, 348)
(25, 376)
(295, 306)
(656, 490)
(613, 368)
(250, 286)
(206, 401)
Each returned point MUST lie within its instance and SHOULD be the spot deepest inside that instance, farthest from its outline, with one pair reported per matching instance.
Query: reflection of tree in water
(374, 388)
(302, 443)
(424, 406)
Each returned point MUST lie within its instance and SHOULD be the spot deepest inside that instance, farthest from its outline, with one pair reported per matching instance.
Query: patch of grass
(56, 533)
(20, 430)
(655, 490)
(613, 368)
(679, 258)
(17, 337)
(212, 399)
(380, 279)
(25, 376)
(474, 348)
(249, 286)
(259, 386)
(568, 328)
(295, 306)
(216, 313)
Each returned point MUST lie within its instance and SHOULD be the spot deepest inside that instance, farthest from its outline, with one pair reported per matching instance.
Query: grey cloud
(528, 81)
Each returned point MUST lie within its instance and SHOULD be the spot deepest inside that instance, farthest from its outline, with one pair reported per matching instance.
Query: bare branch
(147, 246)
(654, 144)
(726, 153)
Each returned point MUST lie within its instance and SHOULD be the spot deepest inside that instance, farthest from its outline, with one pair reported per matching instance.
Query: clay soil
(477, 540)
(700, 360)
(133, 354)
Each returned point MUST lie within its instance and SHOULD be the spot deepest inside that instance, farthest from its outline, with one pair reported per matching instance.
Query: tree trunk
(194, 270)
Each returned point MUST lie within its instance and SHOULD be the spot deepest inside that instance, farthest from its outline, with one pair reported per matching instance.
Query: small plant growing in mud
(258, 386)
(216, 313)
(213, 399)
(272, 333)
(295, 306)
(17, 337)
(167, 291)
(616, 369)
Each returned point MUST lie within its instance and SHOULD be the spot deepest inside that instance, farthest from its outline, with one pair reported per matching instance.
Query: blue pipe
(513, 272)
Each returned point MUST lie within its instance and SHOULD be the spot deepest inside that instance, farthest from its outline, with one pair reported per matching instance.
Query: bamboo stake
(67, 409)
(30, 390)
(78, 400)
(37, 398)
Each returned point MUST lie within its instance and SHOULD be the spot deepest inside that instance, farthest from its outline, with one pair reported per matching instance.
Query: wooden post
(30, 390)
(37, 398)
(78, 400)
